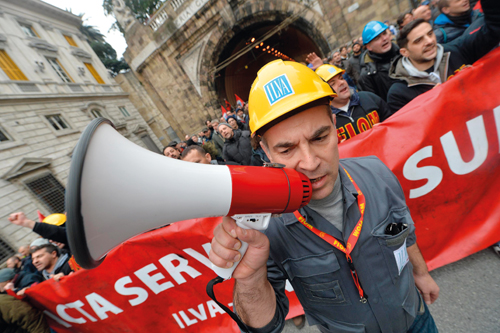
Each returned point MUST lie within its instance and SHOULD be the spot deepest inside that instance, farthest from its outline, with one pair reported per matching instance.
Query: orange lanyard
(353, 238)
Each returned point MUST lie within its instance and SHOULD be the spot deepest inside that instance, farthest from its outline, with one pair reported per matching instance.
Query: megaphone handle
(251, 221)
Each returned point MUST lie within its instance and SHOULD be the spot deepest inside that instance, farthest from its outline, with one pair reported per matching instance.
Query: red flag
(239, 100)
(228, 105)
(40, 216)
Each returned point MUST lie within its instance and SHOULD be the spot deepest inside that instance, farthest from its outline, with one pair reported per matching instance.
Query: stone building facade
(52, 85)
(193, 54)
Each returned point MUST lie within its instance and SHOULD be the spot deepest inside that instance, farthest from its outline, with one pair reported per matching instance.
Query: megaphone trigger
(250, 221)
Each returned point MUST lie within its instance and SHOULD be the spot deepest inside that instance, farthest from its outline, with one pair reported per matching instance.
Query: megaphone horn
(117, 189)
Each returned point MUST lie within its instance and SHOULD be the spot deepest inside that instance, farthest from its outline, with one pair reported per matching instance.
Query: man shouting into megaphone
(351, 254)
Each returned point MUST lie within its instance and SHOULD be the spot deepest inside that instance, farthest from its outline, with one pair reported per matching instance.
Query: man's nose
(308, 161)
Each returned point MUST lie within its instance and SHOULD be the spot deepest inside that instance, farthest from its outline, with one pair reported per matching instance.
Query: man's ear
(404, 52)
(369, 47)
(208, 157)
(263, 146)
(445, 10)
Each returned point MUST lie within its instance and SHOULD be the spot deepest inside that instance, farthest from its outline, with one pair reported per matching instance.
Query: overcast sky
(94, 15)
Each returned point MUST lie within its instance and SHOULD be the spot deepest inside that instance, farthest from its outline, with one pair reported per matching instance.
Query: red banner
(443, 147)
(155, 280)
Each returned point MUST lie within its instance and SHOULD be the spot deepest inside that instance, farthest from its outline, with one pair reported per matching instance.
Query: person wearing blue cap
(376, 60)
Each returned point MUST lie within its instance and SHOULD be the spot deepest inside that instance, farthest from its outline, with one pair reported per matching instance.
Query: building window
(10, 68)
(49, 191)
(5, 251)
(58, 122)
(59, 69)
(4, 136)
(124, 111)
(96, 113)
(28, 30)
(94, 73)
(70, 40)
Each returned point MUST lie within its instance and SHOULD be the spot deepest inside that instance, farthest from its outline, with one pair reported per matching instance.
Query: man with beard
(355, 112)
(376, 60)
(424, 63)
(172, 152)
(456, 16)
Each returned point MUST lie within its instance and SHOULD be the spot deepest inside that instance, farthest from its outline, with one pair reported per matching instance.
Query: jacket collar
(398, 72)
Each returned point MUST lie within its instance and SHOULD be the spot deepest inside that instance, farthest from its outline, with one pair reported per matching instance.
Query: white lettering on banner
(100, 305)
(434, 174)
(154, 282)
(142, 294)
(477, 133)
(201, 314)
(56, 318)
(200, 257)
(179, 322)
(151, 281)
(61, 311)
(175, 271)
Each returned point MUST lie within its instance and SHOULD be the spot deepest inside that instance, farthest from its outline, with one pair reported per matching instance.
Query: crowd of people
(372, 78)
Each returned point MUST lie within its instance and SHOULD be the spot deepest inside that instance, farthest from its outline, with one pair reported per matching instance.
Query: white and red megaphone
(117, 189)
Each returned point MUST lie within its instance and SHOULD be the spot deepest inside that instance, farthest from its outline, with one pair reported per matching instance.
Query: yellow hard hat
(327, 72)
(280, 87)
(55, 219)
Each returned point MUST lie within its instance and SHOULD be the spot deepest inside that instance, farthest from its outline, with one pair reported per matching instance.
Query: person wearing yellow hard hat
(351, 253)
(55, 219)
(356, 112)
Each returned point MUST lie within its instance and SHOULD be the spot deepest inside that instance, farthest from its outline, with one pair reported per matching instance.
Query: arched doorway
(294, 41)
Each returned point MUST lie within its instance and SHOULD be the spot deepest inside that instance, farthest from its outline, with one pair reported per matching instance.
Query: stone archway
(308, 33)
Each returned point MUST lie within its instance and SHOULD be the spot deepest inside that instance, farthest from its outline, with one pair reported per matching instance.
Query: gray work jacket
(319, 273)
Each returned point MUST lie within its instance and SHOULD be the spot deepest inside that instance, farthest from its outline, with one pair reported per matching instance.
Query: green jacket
(19, 317)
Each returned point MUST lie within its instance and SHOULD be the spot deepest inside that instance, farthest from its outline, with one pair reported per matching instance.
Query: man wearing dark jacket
(376, 60)
(456, 16)
(48, 231)
(355, 112)
(353, 67)
(47, 260)
(424, 63)
(237, 147)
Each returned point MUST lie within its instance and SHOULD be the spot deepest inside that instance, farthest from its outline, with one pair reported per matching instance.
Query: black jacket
(374, 75)
(447, 31)
(353, 68)
(462, 51)
(238, 148)
(365, 110)
(52, 232)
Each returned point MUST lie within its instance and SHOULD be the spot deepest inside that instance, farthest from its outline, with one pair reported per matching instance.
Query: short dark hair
(401, 17)
(403, 34)
(442, 4)
(343, 47)
(48, 247)
(191, 148)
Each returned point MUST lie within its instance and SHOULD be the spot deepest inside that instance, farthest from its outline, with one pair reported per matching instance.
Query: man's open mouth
(315, 180)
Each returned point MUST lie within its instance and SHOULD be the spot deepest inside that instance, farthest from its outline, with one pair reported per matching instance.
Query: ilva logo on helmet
(278, 88)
